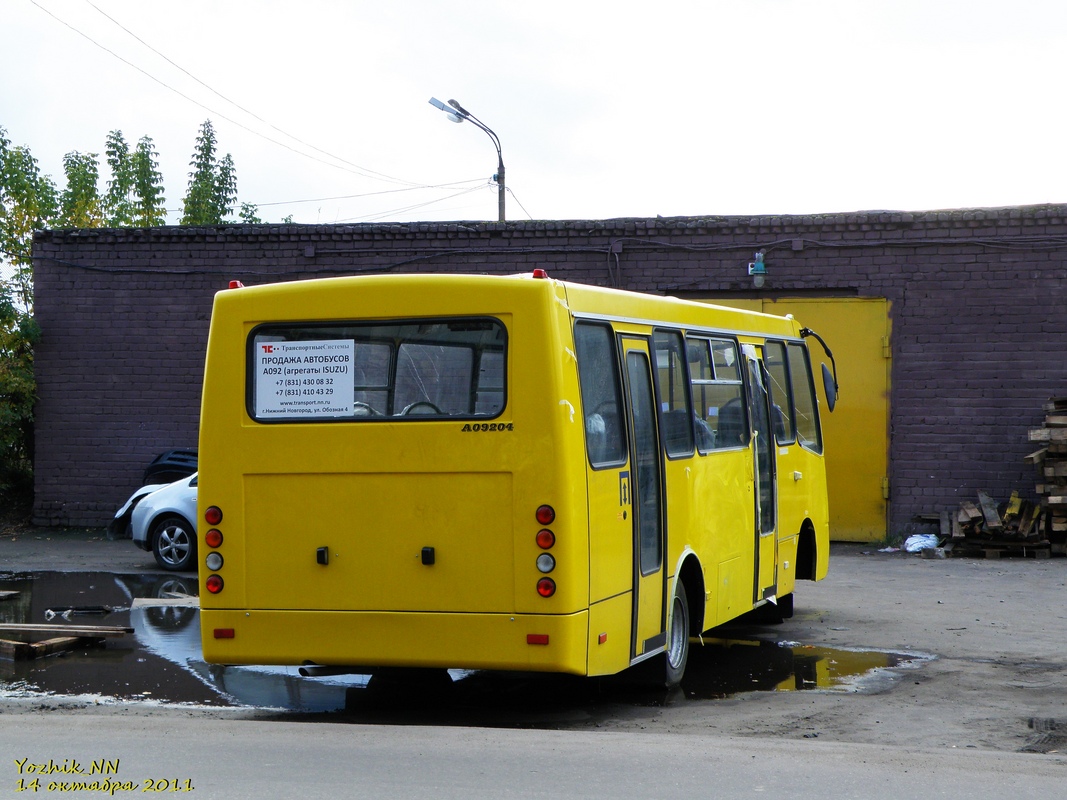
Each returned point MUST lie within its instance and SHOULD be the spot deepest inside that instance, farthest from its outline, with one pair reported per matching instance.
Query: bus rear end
(385, 476)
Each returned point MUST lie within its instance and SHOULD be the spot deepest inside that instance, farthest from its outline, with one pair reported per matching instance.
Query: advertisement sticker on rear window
(304, 379)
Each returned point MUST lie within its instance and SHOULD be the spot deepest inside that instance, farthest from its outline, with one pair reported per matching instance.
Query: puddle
(161, 663)
(723, 667)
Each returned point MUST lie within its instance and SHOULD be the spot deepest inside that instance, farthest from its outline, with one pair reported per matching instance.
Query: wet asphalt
(76, 550)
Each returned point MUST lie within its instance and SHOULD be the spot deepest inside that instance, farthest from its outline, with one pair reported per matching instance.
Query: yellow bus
(490, 472)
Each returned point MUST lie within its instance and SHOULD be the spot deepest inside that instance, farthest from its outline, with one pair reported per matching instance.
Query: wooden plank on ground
(106, 631)
(1013, 508)
(989, 511)
(1027, 519)
(61, 643)
(15, 650)
(20, 651)
(968, 513)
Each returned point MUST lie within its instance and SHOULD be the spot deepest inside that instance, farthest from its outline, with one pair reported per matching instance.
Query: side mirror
(830, 386)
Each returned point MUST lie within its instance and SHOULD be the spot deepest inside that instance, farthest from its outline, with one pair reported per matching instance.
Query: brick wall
(978, 299)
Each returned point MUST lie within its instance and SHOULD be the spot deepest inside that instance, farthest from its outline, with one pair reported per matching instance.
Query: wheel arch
(807, 558)
(692, 577)
(161, 515)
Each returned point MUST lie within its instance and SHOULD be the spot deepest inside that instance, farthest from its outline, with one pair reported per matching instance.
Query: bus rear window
(399, 370)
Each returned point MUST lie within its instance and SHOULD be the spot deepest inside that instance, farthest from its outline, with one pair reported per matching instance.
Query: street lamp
(458, 113)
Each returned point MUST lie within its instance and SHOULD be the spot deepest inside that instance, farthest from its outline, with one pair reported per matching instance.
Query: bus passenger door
(765, 479)
(646, 482)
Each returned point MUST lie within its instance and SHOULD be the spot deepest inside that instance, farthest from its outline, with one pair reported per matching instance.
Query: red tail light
(214, 583)
(546, 587)
(213, 538)
(546, 515)
(213, 516)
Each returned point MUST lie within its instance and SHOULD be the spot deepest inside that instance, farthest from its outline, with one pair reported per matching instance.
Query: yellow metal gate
(857, 433)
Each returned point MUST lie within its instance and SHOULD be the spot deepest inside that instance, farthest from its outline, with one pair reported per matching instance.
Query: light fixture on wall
(758, 270)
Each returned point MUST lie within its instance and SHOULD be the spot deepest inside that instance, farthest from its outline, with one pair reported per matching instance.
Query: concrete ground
(25, 549)
(995, 632)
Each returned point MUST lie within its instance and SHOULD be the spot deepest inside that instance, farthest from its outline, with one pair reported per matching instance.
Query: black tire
(174, 544)
(677, 637)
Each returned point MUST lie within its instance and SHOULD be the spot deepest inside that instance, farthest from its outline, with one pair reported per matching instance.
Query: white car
(163, 521)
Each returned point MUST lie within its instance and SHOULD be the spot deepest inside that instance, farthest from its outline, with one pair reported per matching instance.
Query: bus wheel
(678, 641)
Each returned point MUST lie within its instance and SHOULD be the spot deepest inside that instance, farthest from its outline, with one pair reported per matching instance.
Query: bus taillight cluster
(546, 562)
(213, 539)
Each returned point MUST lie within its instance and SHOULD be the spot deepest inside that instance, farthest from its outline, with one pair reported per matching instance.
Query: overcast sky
(605, 109)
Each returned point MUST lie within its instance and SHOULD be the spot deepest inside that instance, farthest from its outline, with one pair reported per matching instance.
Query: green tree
(18, 391)
(29, 201)
(150, 205)
(80, 204)
(135, 192)
(212, 192)
(250, 214)
(119, 202)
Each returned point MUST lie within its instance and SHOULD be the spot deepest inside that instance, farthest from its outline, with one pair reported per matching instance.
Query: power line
(353, 168)
(377, 216)
(365, 194)
(242, 108)
(344, 164)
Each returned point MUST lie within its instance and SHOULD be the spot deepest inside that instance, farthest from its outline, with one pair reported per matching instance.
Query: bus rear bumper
(538, 643)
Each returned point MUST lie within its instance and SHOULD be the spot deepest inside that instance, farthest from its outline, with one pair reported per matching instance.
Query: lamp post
(458, 113)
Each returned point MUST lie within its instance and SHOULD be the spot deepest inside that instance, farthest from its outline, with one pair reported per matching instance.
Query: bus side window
(807, 414)
(721, 420)
(782, 417)
(598, 376)
(673, 391)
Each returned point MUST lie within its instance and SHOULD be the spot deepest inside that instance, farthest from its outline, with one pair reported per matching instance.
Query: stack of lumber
(1051, 463)
(987, 528)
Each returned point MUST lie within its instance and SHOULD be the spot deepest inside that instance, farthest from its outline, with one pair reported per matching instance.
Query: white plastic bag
(920, 541)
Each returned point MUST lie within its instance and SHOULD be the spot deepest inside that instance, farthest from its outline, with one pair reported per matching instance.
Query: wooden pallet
(1004, 549)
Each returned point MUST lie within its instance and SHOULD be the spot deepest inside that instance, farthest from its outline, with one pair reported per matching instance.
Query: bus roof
(583, 300)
